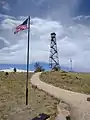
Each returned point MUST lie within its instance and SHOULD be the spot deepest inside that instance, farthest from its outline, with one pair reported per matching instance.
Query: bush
(63, 71)
(38, 67)
(56, 68)
(6, 73)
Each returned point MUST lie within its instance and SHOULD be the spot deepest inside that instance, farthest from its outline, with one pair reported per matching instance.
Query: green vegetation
(78, 82)
(12, 98)
(38, 67)
(56, 69)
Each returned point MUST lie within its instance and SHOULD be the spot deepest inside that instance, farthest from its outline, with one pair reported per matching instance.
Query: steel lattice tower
(53, 59)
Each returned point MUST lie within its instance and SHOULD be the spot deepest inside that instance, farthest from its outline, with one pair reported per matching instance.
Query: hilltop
(77, 82)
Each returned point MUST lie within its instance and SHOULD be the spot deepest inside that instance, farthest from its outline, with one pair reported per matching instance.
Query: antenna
(71, 64)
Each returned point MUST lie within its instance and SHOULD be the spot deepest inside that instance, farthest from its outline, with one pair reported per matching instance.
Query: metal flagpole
(27, 60)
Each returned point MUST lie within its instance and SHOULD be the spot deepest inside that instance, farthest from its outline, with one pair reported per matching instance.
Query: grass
(12, 99)
(77, 82)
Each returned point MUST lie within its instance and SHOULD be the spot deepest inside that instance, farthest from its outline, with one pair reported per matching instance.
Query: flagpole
(27, 60)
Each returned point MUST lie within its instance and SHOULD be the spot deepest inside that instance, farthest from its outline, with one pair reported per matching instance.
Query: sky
(69, 19)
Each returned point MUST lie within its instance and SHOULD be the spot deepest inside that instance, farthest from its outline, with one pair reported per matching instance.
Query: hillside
(12, 99)
(78, 82)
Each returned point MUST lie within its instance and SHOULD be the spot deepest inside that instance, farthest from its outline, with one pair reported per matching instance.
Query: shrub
(6, 73)
(38, 67)
(56, 68)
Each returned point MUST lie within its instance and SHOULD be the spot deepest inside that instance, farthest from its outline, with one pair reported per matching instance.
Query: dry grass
(78, 82)
(12, 99)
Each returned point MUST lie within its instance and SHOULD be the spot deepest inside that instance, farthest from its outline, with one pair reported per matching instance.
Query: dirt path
(80, 107)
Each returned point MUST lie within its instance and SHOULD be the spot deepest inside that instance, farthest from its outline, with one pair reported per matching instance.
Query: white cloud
(73, 42)
(63, 10)
(5, 5)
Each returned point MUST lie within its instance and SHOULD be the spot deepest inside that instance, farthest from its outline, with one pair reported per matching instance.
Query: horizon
(44, 65)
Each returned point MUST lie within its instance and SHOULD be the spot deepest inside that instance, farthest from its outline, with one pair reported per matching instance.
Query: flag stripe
(21, 27)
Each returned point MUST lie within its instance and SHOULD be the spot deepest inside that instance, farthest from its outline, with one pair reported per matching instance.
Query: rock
(88, 99)
(60, 117)
(63, 112)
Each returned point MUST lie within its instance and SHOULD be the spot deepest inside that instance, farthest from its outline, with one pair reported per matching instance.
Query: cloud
(63, 10)
(5, 5)
(73, 42)
(2, 43)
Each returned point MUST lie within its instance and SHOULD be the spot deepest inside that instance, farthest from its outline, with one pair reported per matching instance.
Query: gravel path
(80, 107)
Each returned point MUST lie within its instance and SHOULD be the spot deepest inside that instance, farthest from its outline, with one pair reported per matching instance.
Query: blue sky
(70, 19)
(84, 8)
(42, 7)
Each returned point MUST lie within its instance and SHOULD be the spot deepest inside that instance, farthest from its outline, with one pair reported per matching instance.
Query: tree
(38, 67)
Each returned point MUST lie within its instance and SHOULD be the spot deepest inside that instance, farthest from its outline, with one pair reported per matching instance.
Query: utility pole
(70, 65)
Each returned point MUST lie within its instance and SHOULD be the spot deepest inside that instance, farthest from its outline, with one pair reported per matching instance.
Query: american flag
(21, 27)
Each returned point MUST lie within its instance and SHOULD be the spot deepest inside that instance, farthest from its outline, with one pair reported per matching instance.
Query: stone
(88, 99)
